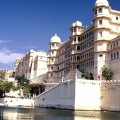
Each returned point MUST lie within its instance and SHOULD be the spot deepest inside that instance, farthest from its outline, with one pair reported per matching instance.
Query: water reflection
(48, 114)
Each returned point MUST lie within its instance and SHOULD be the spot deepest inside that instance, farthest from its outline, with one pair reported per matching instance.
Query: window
(117, 18)
(51, 68)
(117, 54)
(52, 45)
(100, 34)
(78, 47)
(78, 58)
(95, 12)
(100, 10)
(52, 52)
(111, 46)
(117, 44)
(78, 66)
(100, 22)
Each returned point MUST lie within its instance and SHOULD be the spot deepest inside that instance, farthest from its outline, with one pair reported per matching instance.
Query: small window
(117, 44)
(95, 12)
(117, 18)
(100, 55)
(52, 45)
(78, 47)
(100, 10)
(51, 68)
(111, 46)
(117, 54)
(100, 34)
(78, 38)
(100, 22)
(111, 56)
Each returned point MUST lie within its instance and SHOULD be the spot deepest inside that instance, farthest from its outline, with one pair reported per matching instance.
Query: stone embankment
(16, 102)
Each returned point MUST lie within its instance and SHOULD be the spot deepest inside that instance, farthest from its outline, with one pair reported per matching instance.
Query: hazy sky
(30, 24)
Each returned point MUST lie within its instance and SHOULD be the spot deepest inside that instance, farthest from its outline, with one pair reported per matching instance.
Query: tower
(53, 61)
(101, 24)
(76, 30)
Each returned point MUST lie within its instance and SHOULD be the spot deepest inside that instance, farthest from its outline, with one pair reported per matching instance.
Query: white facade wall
(82, 95)
(13, 102)
(78, 95)
(60, 96)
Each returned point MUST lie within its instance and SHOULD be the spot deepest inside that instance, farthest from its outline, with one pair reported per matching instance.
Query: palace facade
(32, 65)
(87, 49)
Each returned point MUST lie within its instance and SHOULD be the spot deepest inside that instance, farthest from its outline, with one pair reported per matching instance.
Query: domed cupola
(78, 24)
(76, 28)
(101, 3)
(56, 39)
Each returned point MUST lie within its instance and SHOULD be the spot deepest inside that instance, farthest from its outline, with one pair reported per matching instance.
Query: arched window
(78, 67)
(100, 10)
(111, 46)
(117, 54)
(78, 47)
(114, 55)
(78, 58)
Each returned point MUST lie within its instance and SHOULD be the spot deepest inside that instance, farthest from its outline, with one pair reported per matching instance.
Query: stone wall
(82, 95)
(14, 102)
(59, 96)
(110, 95)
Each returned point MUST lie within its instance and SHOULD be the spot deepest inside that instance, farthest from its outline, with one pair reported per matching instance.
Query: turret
(52, 67)
(76, 28)
(101, 23)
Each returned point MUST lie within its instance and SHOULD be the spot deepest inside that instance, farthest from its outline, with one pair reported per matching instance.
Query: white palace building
(87, 49)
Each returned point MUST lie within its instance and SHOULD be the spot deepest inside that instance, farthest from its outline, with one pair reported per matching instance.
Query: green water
(53, 114)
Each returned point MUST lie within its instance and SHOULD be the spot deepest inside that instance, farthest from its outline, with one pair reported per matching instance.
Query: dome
(101, 2)
(55, 38)
(73, 25)
(78, 23)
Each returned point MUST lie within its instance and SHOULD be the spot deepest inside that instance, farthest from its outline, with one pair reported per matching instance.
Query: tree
(87, 75)
(23, 84)
(5, 86)
(22, 81)
(107, 73)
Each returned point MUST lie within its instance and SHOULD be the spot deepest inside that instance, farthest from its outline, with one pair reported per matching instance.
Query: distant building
(6, 74)
(87, 49)
(32, 64)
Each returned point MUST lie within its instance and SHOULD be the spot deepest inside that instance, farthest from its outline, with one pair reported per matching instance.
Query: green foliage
(87, 75)
(107, 73)
(22, 81)
(5, 86)
(26, 91)
(23, 84)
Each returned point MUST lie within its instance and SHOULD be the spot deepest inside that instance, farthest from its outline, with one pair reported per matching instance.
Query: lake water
(53, 114)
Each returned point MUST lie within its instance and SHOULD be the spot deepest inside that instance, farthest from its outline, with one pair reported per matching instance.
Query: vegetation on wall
(87, 75)
(107, 73)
